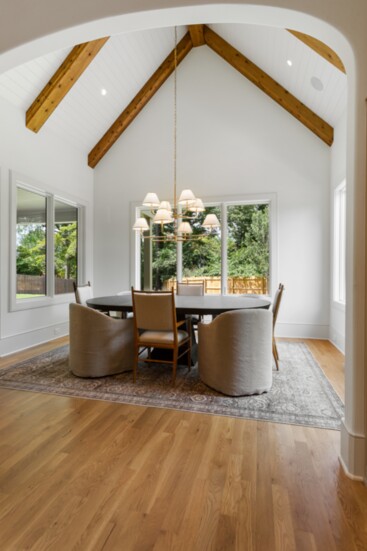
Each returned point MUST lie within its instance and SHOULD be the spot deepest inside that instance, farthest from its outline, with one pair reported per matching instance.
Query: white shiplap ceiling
(126, 62)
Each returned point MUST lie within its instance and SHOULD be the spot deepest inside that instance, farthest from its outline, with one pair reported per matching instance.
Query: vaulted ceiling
(103, 85)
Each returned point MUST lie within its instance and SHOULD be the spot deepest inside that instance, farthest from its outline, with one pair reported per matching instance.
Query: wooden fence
(36, 285)
(235, 285)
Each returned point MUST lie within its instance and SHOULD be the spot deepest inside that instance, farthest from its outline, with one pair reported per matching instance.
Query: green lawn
(25, 295)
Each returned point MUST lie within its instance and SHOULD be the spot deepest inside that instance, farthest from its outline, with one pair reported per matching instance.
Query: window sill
(42, 302)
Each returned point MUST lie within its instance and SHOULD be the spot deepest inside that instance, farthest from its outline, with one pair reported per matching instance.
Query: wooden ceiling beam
(320, 48)
(197, 35)
(268, 85)
(61, 82)
(140, 100)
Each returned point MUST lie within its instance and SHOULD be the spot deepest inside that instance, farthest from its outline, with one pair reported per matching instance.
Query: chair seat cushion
(162, 337)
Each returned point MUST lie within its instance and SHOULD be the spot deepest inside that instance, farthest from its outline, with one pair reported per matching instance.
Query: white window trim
(223, 201)
(338, 303)
(18, 180)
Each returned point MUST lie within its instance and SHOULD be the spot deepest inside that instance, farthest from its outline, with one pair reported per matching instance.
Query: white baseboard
(352, 447)
(302, 331)
(16, 343)
(337, 339)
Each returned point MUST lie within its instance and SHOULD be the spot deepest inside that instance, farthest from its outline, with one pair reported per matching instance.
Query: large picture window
(46, 245)
(235, 259)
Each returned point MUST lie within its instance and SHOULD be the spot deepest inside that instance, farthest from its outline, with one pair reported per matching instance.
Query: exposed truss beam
(61, 82)
(268, 85)
(321, 48)
(140, 101)
(197, 35)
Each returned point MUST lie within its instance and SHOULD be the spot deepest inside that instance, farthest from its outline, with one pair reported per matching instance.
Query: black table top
(207, 304)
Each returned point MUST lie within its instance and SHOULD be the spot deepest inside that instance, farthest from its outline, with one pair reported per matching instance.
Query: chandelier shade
(151, 200)
(211, 222)
(141, 225)
(162, 216)
(185, 228)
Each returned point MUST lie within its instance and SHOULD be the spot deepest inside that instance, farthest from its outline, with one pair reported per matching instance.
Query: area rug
(300, 394)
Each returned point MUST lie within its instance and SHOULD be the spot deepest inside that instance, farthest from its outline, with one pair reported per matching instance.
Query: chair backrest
(83, 293)
(276, 302)
(190, 289)
(154, 311)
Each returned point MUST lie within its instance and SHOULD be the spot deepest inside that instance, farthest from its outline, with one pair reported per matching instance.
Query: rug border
(313, 421)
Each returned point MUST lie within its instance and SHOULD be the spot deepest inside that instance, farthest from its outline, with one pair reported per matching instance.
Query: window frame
(339, 245)
(223, 202)
(51, 195)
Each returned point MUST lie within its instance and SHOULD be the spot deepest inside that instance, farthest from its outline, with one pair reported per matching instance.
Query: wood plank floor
(87, 475)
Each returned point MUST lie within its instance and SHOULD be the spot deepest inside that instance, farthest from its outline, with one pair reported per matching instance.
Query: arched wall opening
(75, 27)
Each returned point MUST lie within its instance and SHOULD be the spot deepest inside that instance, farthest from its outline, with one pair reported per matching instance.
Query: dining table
(185, 305)
(207, 305)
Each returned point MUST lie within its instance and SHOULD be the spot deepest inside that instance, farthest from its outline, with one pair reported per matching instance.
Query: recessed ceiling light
(317, 84)
(103, 91)
(289, 62)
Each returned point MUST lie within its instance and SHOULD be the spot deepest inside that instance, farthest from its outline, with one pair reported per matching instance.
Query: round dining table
(202, 305)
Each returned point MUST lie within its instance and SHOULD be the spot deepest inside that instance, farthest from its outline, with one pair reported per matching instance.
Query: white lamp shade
(184, 227)
(162, 216)
(141, 225)
(197, 206)
(151, 200)
(166, 205)
(211, 221)
(187, 197)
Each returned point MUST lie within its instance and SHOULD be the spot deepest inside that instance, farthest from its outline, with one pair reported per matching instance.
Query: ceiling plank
(197, 35)
(320, 48)
(140, 100)
(61, 82)
(268, 85)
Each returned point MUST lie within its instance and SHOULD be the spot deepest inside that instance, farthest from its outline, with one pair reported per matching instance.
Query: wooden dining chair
(275, 308)
(191, 290)
(156, 326)
(82, 293)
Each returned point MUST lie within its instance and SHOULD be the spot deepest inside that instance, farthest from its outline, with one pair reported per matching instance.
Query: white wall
(232, 140)
(338, 174)
(43, 158)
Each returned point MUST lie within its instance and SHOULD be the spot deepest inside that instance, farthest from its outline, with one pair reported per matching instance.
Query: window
(235, 260)
(339, 243)
(46, 245)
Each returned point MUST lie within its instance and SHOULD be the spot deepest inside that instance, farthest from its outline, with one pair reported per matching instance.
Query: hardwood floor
(87, 475)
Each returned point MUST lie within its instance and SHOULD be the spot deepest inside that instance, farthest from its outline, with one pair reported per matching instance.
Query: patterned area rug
(300, 394)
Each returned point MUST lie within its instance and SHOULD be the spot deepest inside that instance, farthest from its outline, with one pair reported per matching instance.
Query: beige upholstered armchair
(235, 352)
(99, 345)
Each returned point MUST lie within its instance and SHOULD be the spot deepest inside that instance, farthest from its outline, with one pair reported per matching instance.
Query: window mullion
(50, 247)
(224, 262)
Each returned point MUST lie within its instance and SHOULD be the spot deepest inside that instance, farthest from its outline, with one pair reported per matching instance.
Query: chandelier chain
(175, 125)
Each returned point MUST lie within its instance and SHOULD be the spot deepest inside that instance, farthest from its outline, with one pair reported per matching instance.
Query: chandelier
(185, 209)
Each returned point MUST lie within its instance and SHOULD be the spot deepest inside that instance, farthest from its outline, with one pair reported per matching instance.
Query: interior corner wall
(338, 174)
(45, 159)
(234, 140)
